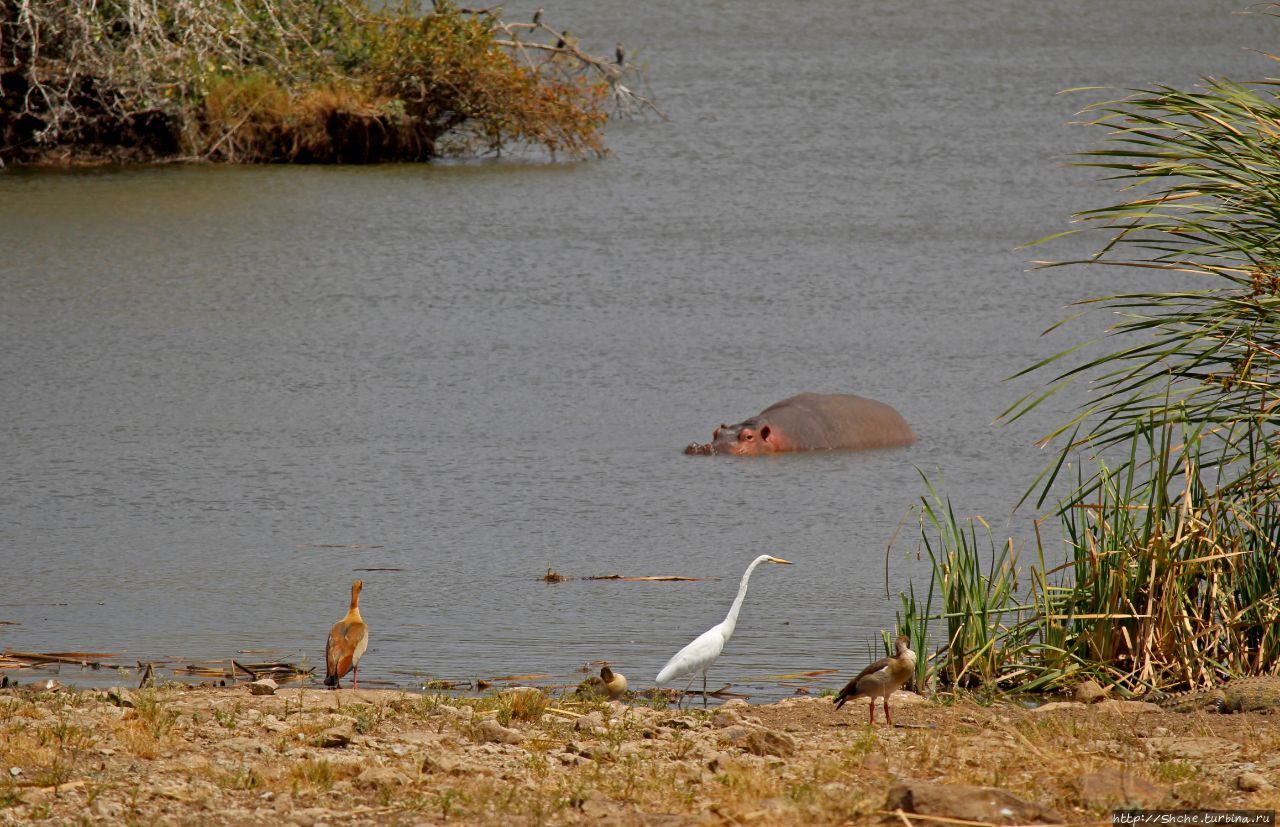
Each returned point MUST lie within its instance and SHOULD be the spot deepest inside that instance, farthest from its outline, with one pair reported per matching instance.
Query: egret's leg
(685, 694)
(704, 690)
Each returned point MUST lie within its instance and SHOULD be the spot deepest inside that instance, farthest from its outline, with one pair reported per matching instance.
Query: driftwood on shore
(92, 660)
(278, 671)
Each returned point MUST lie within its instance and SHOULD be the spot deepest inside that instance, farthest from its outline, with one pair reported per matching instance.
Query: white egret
(697, 657)
(348, 639)
(882, 678)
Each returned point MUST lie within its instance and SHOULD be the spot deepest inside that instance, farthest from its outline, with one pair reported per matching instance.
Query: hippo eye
(747, 436)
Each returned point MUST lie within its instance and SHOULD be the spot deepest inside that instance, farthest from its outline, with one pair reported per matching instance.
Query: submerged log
(660, 578)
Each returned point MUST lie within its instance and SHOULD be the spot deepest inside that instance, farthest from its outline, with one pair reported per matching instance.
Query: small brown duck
(610, 683)
(348, 639)
(615, 683)
(882, 678)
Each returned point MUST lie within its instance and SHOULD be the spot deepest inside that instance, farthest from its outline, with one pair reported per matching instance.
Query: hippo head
(744, 439)
(747, 438)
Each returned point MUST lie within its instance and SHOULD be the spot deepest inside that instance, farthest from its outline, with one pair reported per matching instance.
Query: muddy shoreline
(178, 755)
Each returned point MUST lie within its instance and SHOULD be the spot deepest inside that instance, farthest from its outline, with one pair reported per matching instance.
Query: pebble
(1252, 782)
(266, 686)
(241, 744)
(589, 722)
(283, 803)
(758, 740)
(442, 763)
(273, 724)
(492, 731)
(382, 777)
(108, 811)
(336, 737)
(875, 762)
(461, 713)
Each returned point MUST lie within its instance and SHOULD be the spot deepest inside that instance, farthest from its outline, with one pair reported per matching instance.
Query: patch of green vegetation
(307, 81)
(318, 772)
(1174, 772)
(150, 711)
(239, 778)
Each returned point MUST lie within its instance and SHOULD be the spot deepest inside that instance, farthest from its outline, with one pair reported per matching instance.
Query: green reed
(974, 598)
(1166, 567)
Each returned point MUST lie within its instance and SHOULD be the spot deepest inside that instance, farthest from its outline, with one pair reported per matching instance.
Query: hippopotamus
(812, 422)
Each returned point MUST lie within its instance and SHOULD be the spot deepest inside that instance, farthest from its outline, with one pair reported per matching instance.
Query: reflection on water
(227, 392)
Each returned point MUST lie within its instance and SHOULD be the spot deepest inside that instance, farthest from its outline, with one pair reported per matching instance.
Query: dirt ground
(181, 755)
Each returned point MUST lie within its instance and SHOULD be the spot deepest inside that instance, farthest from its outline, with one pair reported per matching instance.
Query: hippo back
(830, 421)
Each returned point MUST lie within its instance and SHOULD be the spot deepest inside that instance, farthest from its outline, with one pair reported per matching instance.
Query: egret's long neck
(731, 619)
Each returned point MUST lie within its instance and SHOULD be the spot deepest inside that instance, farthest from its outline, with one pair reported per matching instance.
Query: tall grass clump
(975, 581)
(1167, 581)
(1165, 569)
(319, 81)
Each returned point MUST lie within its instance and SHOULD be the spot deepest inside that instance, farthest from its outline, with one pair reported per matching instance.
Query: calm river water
(213, 380)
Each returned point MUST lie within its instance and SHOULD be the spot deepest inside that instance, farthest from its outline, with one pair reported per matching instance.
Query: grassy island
(290, 81)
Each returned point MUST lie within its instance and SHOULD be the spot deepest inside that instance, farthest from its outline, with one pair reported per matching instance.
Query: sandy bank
(307, 756)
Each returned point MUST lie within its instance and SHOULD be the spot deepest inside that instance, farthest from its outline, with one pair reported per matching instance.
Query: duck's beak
(779, 560)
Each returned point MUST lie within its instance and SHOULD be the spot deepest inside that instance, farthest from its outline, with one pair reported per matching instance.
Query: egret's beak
(779, 560)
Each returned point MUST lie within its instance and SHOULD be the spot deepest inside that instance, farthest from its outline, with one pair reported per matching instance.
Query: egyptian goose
(348, 639)
(882, 678)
